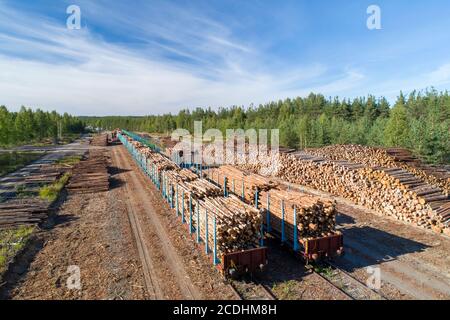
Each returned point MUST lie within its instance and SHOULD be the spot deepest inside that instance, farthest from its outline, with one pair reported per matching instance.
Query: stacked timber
(240, 182)
(387, 158)
(42, 178)
(392, 191)
(238, 225)
(181, 175)
(100, 140)
(245, 157)
(90, 175)
(199, 188)
(315, 217)
(22, 212)
(202, 203)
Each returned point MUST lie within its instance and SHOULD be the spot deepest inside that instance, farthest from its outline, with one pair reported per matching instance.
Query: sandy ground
(92, 234)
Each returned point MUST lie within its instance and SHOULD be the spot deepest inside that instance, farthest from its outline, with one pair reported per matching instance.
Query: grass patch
(69, 161)
(286, 290)
(11, 242)
(51, 192)
(325, 271)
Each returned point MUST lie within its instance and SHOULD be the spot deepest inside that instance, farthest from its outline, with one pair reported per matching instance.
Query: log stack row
(22, 212)
(238, 224)
(316, 217)
(203, 203)
(392, 191)
(386, 158)
(240, 182)
(100, 140)
(90, 175)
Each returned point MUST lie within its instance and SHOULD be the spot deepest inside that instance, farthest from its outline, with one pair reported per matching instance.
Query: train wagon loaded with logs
(304, 222)
(226, 228)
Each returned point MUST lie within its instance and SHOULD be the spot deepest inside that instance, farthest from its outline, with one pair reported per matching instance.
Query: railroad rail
(251, 290)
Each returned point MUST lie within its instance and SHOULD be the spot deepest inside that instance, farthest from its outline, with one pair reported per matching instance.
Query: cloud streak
(152, 62)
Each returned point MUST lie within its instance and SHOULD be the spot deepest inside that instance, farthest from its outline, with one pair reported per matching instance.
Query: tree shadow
(363, 247)
(115, 183)
(344, 219)
(113, 171)
(366, 246)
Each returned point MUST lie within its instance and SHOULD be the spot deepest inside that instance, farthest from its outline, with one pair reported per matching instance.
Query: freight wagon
(231, 264)
(282, 228)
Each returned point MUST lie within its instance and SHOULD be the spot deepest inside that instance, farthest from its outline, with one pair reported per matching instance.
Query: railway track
(346, 283)
(251, 290)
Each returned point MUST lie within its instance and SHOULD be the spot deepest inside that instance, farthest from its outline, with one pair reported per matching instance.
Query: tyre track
(140, 194)
(151, 282)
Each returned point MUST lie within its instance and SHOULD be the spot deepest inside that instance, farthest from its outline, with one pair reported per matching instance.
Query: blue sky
(150, 57)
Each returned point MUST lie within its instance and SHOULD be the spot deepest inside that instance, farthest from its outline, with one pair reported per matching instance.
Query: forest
(419, 121)
(28, 126)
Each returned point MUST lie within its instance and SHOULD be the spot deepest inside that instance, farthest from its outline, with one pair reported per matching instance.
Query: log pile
(100, 140)
(20, 212)
(240, 182)
(315, 217)
(90, 175)
(199, 188)
(237, 224)
(392, 191)
(387, 158)
(250, 158)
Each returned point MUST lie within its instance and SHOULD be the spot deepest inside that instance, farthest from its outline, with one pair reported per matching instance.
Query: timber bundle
(31, 211)
(22, 212)
(203, 204)
(237, 224)
(240, 182)
(386, 158)
(392, 191)
(100, 140)
(246, 158)
(315, 217)
(90, 175)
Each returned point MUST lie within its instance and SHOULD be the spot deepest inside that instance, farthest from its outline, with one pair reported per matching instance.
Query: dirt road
(176, 267)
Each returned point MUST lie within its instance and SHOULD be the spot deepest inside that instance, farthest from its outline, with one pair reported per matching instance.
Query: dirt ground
(94, 233)
(91, 233)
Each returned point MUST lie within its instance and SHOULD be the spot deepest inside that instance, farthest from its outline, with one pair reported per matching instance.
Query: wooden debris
(22, 212)
(100, 140)
(90, 175)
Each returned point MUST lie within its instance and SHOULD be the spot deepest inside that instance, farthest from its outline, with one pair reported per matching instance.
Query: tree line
(27, 126)
(419, 121)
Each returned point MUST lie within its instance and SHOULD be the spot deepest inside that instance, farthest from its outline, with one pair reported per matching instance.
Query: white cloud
(45, 65)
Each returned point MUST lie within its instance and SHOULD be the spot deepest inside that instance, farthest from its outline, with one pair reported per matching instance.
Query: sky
(145, 57)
